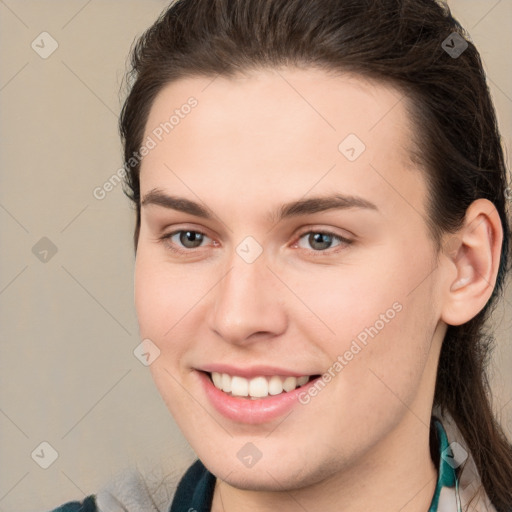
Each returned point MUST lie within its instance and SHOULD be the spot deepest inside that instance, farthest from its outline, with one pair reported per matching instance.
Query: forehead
(284, 128)
(282, 105)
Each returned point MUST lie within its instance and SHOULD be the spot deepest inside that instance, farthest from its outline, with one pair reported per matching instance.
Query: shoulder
(133, 490)
(87, 505)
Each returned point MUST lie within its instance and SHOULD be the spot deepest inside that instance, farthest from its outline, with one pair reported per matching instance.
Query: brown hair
(456, 141)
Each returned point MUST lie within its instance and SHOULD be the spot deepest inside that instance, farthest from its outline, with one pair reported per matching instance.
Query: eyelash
(166, 239)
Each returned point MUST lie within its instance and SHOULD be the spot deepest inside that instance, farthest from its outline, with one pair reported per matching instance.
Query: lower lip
(246, 410)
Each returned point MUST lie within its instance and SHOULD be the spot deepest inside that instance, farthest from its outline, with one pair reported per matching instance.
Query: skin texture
(251, 144)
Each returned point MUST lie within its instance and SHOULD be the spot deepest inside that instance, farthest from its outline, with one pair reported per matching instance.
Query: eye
(322, 240)
(186, 238)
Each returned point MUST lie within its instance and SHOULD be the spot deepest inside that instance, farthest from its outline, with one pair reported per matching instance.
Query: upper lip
(251, 371)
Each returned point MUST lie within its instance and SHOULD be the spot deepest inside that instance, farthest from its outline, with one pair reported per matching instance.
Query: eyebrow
(287, 210)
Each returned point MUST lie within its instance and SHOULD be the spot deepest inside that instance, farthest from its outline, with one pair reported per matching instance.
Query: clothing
(194, 491)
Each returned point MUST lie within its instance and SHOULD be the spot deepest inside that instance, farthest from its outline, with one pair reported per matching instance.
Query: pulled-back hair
(456, 139)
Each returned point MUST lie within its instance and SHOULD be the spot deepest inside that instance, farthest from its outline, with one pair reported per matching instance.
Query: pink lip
(245, 410)
(253, 371)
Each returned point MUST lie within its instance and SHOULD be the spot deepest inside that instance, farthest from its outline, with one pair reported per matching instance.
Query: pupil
(191, 236)
(318, 237)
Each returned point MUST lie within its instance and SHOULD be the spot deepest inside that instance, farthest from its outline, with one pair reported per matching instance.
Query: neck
(398, 474)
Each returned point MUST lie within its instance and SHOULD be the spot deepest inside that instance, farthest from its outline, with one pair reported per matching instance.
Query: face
(283, 242)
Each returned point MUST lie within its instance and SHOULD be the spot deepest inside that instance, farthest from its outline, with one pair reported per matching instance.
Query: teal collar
(447, 488)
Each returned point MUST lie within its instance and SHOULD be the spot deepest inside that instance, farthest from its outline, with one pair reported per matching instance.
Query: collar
(195, 489)
(446, 496)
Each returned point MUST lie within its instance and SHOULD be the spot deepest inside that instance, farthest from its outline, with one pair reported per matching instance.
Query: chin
(272, 477)
(263, 481)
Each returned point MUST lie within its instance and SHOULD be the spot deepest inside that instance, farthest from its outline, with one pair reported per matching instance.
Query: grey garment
(135, 491)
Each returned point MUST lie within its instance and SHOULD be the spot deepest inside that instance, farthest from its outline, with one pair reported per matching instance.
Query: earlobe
(472, 262)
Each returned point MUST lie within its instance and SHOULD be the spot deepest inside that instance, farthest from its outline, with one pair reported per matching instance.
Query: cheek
(150, 298)
(163, 295)
(162, 302)
(347, 301)
(380, 322)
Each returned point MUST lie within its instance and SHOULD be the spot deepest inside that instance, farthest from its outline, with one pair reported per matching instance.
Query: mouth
(258, 387)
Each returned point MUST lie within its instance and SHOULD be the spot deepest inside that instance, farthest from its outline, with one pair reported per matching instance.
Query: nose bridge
(246, 299)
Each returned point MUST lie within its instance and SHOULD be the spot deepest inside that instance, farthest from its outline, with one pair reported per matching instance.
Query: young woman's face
(283, 234)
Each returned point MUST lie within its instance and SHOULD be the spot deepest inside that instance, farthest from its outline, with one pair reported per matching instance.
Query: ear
(471, 260)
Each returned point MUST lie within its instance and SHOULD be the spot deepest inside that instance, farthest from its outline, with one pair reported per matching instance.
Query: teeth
(217, 380)
(290, 383)
(275, 385)
(302, 380)
(257, 387)
(239, 386)
(226, 383)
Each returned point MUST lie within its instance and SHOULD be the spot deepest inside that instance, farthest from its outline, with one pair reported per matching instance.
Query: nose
(248, 304)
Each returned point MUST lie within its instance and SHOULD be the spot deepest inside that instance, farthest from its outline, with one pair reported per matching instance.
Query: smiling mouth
(257, 387)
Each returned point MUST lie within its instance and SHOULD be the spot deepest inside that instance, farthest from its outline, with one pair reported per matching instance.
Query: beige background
(68, 328)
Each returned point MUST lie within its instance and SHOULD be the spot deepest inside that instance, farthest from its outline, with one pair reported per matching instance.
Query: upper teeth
(257, 387)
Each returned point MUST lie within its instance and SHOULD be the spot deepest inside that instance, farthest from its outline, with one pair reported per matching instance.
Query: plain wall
(68, 327)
